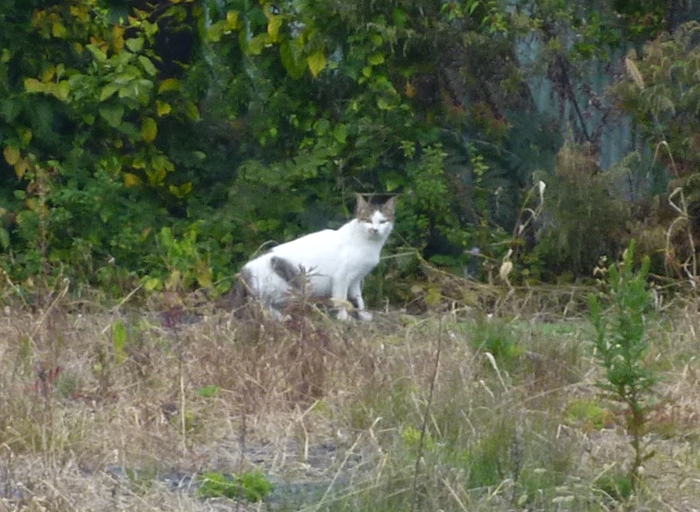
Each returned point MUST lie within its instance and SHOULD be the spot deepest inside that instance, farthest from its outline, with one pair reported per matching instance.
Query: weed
(209, 391)
(587, 414)
(621, 344)
(252, 486)
(618, 486)
(494, 336)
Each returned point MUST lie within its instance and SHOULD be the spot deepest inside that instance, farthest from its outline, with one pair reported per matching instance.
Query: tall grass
(112, 409)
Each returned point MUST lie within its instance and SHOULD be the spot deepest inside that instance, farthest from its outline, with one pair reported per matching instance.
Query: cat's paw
(342, 314)
(364, 316)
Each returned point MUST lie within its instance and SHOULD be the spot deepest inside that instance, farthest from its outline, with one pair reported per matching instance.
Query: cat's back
(305, 247)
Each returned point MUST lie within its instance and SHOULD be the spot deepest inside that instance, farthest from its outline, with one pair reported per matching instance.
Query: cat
(325, 264)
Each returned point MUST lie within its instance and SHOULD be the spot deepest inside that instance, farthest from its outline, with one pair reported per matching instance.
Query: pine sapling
(621, 345)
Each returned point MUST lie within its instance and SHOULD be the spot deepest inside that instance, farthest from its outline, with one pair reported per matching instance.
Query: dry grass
(122, 410)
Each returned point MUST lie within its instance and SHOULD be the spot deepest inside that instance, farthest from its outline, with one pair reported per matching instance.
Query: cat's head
(376, 219)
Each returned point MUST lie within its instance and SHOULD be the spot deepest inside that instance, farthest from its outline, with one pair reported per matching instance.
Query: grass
(127, 410)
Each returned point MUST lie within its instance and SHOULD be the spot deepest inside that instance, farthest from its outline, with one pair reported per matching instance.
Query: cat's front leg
(355, 297)
(339, 296)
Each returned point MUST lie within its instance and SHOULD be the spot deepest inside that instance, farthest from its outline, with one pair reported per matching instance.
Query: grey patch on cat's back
(292, 274)
(284, 269)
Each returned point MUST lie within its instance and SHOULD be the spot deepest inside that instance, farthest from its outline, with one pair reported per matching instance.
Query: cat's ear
(389, 207)
(362, 206)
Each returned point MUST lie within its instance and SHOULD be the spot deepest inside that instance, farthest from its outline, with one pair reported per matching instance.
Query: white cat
(327, 264)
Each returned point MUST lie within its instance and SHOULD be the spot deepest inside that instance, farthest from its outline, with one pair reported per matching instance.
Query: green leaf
(152, 283)
(4, 238)
(148, 66)
(112, 113)
(376, 39)
(290, 54)
(256, 44)
(340, 132)
(321, 127)
(12, 155)
(192, 111)
(273, 28)
(59, 30)
(108, 90)
(376, 59)
(232, 21)
(61, 90)
(99, 55)
(135, 44)
(317, 62)
(149, 129)
(169, 84)
(33, 85)
(163, 108)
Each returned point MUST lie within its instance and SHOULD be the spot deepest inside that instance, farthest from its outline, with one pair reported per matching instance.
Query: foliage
(588, 413)
(124, 162)
(495, 337)
(80, 128)
(622, 343)
(251, 486)
(584, 218)
(660, 92)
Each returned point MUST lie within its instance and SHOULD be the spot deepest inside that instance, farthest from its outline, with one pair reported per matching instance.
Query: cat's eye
(383, 221)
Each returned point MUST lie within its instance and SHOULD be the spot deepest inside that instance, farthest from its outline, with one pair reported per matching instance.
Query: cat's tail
(242, 290)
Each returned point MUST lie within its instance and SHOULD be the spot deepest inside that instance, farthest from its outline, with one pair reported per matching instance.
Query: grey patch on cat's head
(365, 208)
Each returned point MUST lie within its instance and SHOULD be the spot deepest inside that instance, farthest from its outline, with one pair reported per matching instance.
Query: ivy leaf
(340, 132)
(59, 30)
(135, 44)
(256, 44)
(162, 108)
(192, 111)
(273, 28)
(182, 190)
(112, 114)
(108, 90)
(290, 53)
(33, 85)
(232, 20)
(321, 127)
(148, 66)
(317, 62)
(11, 155)
(131, 180)
(61, 90)
(99, 55)
(21, 167)
(169, 84)
(149, 129)
(376, 59)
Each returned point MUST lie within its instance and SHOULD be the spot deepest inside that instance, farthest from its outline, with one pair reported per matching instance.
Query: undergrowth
(460, 411)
